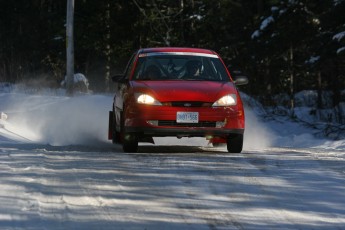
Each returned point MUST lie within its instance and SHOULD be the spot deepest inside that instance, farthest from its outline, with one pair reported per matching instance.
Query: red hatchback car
(181, 92)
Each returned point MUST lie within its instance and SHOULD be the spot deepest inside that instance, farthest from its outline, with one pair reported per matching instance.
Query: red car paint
(176, 90)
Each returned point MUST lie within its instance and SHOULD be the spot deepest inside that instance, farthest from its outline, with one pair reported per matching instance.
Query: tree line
(282, 46)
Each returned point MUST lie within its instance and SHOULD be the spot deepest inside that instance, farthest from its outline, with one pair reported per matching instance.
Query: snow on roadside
(56, 120)
(11, 134)
(83, 120)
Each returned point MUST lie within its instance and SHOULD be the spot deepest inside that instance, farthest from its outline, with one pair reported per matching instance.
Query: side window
(130, 66)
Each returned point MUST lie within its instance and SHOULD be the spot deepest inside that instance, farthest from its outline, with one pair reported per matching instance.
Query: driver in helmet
(193, 68)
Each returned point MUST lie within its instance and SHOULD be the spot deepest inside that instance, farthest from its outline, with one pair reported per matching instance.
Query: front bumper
(159, 121)
(181, 132)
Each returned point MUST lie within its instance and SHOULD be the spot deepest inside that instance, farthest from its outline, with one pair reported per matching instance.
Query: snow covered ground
(82, 120)
(59, 171)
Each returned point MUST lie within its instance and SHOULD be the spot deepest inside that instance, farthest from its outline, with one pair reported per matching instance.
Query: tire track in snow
(82, 197)
(170, 188)
(52, 190)
(193, 174)
(291, 181)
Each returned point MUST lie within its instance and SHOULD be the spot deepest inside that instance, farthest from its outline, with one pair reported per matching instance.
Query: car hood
(164, 91)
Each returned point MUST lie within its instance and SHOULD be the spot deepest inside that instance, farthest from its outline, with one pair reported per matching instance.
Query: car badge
(187, 104)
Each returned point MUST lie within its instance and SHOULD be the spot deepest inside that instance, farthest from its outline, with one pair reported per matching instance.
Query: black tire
(116, 136)
(235, 143)
(130, 143)
(129, 140)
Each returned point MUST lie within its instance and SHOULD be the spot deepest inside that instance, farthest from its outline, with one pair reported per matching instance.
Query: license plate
(187, 117)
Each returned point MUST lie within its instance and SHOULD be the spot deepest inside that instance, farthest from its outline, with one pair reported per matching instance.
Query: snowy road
(174, 187)
(59, 171)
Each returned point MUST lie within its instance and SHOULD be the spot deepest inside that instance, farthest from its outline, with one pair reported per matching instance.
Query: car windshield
(180, 66)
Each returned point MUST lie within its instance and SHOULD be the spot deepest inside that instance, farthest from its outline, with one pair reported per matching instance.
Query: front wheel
(235, 143)
(116, 136)
(130, 143)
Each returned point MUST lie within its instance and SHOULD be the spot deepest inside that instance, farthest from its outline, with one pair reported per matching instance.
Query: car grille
(188, 104)
(199, 124)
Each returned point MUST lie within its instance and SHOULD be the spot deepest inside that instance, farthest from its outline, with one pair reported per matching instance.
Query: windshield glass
(171, 66)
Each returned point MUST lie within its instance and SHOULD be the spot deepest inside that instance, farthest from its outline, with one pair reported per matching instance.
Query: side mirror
(241, 80)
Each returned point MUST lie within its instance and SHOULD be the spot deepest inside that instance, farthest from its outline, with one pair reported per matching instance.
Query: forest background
(283, 46)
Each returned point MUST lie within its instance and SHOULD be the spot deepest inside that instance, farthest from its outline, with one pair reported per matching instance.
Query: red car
(181, 92)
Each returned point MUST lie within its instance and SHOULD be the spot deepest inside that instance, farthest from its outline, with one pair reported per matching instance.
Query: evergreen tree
(284, 46)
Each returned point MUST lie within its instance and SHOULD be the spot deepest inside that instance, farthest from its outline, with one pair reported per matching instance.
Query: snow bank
(80, 83)
(83, 120)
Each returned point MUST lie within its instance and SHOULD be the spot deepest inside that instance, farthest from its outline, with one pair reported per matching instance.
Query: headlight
(227, 100)
(146, 99)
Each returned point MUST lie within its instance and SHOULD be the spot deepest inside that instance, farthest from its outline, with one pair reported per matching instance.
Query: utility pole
(69, 48)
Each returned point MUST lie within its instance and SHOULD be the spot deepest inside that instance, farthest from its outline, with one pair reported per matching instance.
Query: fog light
(153, 122)
(209, 137)
(127, 137)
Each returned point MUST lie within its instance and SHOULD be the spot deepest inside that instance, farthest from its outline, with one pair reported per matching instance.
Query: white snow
(339, 36)
(77, 78)
(313, 59)
(82, 120)
(256, 34)
(266, 22)
(340, 50)
(59, 171)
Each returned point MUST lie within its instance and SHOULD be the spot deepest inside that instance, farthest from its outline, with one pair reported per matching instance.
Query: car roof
(177, 49)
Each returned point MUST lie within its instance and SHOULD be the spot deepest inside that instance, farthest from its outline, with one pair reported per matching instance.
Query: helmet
(193, 67)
